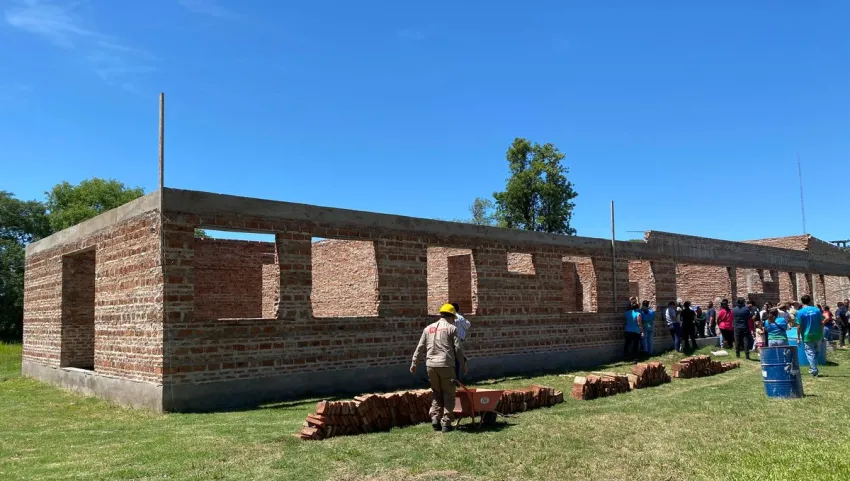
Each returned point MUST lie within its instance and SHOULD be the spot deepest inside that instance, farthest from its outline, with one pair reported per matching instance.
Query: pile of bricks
(701, 366)
(379, 412)
(648, 374)
(598, 385)
(367, 413)
(519, 400)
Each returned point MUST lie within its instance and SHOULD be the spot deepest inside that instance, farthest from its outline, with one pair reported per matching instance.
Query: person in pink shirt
(726, 323)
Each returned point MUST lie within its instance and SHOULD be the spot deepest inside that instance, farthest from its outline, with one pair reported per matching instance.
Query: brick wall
(520, 263)
(128, 301)
(837, 289)
(229, 279)
(78, 301)
(580, 292)
(345, 279)
(702, 284)
(451, 278)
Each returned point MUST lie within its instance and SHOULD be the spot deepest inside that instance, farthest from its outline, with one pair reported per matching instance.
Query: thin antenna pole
(613, 258)
(802, 204)
(161, 142)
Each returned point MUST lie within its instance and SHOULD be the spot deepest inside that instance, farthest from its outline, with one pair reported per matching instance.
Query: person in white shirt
(462, 324)
(671, 316)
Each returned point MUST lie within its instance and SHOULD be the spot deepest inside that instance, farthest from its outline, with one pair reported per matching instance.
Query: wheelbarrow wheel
(488, 419)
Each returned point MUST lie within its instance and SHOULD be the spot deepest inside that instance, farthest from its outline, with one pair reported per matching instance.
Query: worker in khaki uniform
(440, 345)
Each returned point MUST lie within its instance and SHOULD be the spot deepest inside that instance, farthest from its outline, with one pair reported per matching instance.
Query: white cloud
(207, 7)
(113, 61)
(411, 34)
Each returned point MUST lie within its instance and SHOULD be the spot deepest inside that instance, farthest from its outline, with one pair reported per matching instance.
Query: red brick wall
(582, 289)
(78, 301)
(702, 284)
(229, 280)
(517, 313)
(345, 279)
(837, 289)
(451, 278)
(128, 301)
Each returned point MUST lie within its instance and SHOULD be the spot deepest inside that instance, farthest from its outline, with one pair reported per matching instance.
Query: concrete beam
(105, 220)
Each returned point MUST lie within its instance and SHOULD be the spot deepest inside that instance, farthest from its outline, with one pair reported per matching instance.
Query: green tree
(482, 211)
(21, 222)
(69, 205)
(537, 197)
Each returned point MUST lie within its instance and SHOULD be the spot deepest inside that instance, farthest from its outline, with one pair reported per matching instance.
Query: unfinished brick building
(132, 307)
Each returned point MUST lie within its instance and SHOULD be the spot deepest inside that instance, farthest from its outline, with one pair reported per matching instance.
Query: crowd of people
(744, 326)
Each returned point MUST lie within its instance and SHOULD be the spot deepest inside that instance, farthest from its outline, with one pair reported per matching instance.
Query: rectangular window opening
(78, 310)
(579, 284)
(521, 263)
(345, 278)
(451, 279)
(236, 275)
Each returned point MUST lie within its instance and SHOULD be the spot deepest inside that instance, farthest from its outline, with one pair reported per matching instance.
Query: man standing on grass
(742, 316)
(634, 332)
(462, 324)
(647, 320)
(671, 316)
(842, 318)
(810, 332)
(440, 346)
(711, 313)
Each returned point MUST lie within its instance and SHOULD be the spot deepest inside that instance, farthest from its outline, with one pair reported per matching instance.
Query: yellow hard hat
(448, 309)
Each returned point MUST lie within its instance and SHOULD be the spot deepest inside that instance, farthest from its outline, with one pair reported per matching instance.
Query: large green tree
(22, 222)
(69, 204)
(481, 211)
(537, 197)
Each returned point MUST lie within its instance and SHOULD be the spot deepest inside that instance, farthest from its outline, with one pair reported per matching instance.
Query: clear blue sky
(688, 114)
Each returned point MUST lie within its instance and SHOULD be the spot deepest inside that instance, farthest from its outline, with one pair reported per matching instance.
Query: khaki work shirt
(440, 345)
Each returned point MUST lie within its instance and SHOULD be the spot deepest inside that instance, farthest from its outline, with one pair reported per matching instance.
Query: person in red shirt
(726, 324)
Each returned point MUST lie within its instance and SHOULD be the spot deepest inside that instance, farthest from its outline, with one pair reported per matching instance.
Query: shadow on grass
(469, 428)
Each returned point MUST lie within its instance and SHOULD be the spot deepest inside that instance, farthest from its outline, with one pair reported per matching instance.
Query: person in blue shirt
(634, 332)
(810, 332)
(775, 327)
(647, 318)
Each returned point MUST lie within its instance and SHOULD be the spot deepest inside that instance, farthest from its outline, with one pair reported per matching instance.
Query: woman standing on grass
(828, 324)
(726, 323)
(775, 326)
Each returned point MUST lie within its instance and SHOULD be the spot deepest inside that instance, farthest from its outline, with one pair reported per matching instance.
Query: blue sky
(689, 115)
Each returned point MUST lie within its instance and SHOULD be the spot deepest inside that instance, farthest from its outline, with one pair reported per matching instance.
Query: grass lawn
(717, 428)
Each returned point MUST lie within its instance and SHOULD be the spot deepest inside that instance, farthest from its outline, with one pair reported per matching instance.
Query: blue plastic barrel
(780, 369)
(801, 352)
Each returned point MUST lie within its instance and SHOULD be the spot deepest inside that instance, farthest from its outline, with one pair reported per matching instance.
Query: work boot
(435, 423)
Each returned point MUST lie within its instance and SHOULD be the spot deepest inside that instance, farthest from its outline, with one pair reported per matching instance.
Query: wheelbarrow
(471, 402)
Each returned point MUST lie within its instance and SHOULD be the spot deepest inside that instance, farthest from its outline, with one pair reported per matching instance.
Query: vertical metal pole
(161, 144)
(802, 204)
(613, 258)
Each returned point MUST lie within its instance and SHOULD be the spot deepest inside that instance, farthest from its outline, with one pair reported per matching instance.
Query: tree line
(537, 197)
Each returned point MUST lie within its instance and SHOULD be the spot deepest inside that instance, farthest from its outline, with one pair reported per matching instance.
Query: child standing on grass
(759, 335)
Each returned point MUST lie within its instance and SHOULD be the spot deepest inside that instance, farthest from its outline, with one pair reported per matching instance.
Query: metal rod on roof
(161, 142)
(613, 258)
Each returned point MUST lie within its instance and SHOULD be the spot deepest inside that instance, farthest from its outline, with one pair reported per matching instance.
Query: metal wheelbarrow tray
(471, 402)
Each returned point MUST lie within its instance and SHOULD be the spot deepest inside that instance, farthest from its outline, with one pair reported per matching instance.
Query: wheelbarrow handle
(470, 397)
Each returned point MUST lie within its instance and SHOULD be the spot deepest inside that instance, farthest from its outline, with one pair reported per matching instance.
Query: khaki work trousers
(442, 393)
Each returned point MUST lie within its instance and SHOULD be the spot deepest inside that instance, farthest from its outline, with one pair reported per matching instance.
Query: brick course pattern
(128, 302)
(227, 313)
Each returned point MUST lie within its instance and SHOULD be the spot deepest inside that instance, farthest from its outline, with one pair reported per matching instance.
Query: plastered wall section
(127, 298)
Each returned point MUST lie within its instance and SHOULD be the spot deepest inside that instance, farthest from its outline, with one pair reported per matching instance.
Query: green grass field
(717, 428)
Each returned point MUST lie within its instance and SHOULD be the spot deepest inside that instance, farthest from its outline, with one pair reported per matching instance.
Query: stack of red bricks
(648, 374)
(701, 366)
(378, 412)
(367, 413)
(598, 385)
(519, 400)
